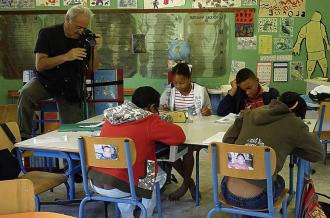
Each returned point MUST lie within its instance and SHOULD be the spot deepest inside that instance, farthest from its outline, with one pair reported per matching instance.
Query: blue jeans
(257, 202)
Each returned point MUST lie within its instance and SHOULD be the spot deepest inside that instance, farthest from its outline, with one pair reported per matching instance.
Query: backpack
(9, 165)
(325, 206)
(309, 205)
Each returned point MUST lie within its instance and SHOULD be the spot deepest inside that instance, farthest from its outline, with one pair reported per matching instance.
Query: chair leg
(67, 190)
(325, 153)
(118, 214)
(143, 210)
(82, 206)
(284, 207)
(211, 212)
(159, 203)
(106, 209)
(197, 178)
(37, 202)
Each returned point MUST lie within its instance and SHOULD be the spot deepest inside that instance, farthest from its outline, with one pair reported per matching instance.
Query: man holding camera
(64, 54)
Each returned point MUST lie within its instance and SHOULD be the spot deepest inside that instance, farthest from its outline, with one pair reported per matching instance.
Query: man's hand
(234, 88)
(76, 54)
(206, 111)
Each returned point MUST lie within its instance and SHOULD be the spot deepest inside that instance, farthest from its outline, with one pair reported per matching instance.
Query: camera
(87, 38)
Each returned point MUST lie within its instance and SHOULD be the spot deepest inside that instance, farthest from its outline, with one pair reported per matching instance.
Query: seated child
(181, 95)
(139, 121)
(266, 125)
(245, 93)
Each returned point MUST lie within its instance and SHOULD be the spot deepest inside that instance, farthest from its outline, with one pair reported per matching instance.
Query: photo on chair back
(240, 161)
(106, 152)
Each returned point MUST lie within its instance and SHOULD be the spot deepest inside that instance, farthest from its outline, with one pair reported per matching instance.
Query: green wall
(251, 57)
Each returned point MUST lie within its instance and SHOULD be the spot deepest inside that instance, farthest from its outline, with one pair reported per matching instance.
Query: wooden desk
(35, 215)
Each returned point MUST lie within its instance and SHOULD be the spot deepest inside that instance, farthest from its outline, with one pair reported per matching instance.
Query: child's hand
(206, 111)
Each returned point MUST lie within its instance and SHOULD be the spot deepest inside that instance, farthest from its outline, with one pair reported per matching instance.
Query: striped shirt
(182, 102)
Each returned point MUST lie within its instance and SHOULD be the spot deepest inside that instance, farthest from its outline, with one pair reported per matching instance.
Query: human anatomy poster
(215, 3)
(156, 4)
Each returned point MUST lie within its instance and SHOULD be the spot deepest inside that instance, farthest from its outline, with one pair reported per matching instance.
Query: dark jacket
(236, 103)
(268, 125)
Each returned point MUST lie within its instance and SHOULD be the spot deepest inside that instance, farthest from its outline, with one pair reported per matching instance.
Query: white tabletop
(196, 132)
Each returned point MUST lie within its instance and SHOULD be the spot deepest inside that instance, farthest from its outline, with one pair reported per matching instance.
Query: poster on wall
(282, 44)
(265, 44)
(244, 25)
(47, 3)
(264, 72)
(215, 3)
(7, 4)
(24, 4)
(245, 43)
(286, 26)
(296, 70)
(74, 2)
(279, 8)
(266, 24)
(99, 3)
(127, 4)
(249, 2)
(280, 71)
(235, 67)
(155, 4)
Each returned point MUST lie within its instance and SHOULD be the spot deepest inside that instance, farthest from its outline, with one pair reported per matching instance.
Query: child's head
(181, 77)
(147, 98)
(240, 158)
(248, 82)
(295, 103)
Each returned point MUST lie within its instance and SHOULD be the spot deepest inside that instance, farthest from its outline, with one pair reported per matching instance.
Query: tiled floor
(185, 207)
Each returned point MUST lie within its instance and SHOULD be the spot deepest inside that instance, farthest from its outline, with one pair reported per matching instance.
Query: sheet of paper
(93, 126)
(230, 118)
(215, 138)
(55, 139)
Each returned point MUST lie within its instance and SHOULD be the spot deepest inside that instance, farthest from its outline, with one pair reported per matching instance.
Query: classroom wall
(250, 57)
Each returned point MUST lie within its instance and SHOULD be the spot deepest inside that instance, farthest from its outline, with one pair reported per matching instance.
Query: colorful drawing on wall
(265, 44)
(215, 3)
(99, 3)
(245, 43)
(24, 4)
(7, 4)
(286, 26)
(279, 8)
(267, 24)
(317, 44)
(47, 3)
(244, 24)
(235, 67)
(249, 2)
(74, 2)
(155, 4)
(282, 44)
(127, 3)
(296, 70)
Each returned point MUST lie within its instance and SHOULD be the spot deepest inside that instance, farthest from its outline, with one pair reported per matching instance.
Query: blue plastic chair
(324, 136)
(262, 166)
(126, 158)
(302, 174)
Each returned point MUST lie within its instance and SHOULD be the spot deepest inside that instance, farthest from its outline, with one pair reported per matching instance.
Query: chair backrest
(17, 196)
(241, 161)
(324, 115)
(5, 141)
(107, 152)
